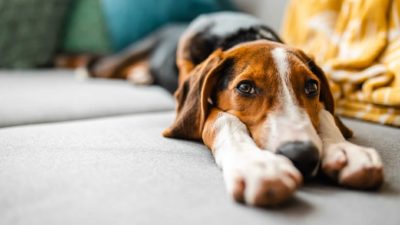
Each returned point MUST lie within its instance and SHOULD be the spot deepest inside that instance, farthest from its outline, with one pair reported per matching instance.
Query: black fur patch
(204, 43)
(246, 35)
(225, 73)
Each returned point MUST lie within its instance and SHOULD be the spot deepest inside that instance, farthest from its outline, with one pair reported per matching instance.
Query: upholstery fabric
(358, 45)
(29, 31)
(41, 96)
(121, 170)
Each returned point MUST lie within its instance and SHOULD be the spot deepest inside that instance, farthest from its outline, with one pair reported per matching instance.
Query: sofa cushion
(48, 96)
(122, 171)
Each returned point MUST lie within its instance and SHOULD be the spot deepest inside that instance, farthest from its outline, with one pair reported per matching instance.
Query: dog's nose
(304, 155)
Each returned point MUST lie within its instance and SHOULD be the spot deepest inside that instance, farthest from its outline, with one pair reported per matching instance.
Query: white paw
(140, 76)
(261, 178)
(352, 165)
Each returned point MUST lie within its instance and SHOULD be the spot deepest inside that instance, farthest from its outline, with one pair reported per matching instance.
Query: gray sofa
(90, 152)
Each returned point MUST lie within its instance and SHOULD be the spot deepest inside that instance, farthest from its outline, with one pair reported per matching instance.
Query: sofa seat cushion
(121, 170)
(28, 97)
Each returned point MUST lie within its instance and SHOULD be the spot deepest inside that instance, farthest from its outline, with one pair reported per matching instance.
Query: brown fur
(192, 97)
(251, 61)
(183, 61)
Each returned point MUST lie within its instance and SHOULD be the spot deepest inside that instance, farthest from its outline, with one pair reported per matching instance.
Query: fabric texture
(85, 30)
(41, 96)
(144, 16)
(357, 42)
(122, 171)
(29, 31)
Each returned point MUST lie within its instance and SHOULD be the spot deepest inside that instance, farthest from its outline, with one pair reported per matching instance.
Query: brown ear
(325, 95)
(192, 99)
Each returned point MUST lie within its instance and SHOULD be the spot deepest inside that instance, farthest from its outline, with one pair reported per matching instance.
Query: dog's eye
(246, 88)
(311, 88)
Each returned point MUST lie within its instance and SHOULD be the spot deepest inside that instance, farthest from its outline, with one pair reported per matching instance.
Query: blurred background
(34, 32)
(355, 42)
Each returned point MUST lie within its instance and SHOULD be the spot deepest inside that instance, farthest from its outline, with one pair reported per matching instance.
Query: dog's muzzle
(304, 156)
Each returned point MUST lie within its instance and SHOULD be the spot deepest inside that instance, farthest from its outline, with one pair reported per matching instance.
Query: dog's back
(218, 30)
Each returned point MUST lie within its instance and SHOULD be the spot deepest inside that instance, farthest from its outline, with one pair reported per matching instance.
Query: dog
(263, 108)
(149, 61)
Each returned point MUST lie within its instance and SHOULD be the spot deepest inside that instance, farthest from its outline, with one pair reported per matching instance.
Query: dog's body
(264, 109)
(150, 60)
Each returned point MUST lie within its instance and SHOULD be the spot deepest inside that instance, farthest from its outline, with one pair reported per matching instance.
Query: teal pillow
(130, 20)
(29, 31)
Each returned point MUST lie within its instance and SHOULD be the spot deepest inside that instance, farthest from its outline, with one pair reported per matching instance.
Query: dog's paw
(262, 179)
(353, 166)
(140, 76)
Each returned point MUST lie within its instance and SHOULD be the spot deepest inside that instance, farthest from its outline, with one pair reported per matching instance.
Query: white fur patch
(280, 58)
(289, 122)
(232, 136)
(240, 159)
(290, 106)
(140, 76)
(82, 74)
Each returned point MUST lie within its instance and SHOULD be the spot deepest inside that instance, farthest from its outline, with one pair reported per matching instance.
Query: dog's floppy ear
(193, 99)
(325, 95)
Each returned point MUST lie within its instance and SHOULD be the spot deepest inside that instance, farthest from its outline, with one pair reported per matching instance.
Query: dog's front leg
(254, 176)
(348, 164)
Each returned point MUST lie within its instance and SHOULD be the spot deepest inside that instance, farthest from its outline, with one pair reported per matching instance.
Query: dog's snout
(304, 155)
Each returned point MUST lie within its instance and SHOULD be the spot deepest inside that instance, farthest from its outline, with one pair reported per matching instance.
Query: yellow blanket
(357, 43)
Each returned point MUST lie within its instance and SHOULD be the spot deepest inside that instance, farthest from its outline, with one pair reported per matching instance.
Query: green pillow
(29, 31)
(85, 30)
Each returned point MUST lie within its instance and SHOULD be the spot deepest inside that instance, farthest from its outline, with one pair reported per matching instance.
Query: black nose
(304, 155)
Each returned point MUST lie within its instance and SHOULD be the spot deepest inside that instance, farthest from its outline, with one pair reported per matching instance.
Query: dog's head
(275, 90)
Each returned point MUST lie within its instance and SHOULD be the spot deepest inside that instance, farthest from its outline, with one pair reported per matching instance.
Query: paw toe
(353, 166)
(368, 177)
(273, 193)
(334, 163)
(238, 190)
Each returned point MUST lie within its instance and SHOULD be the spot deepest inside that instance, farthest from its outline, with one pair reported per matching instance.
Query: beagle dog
(265, 111)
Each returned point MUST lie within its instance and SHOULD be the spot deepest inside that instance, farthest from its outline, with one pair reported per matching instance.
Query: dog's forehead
(266, 57)
(253, 49)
